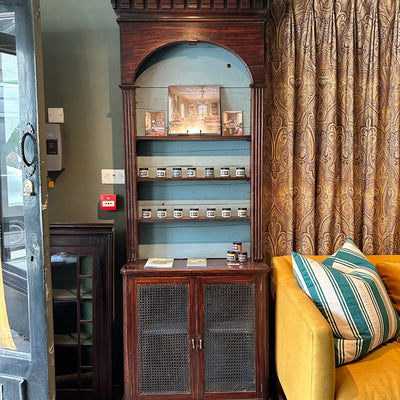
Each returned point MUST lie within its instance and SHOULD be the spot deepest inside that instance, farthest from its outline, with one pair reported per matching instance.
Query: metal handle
(200, 343)
(193, 344)
(28, 132)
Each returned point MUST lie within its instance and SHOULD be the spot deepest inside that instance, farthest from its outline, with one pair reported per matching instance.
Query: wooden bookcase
(148, 31)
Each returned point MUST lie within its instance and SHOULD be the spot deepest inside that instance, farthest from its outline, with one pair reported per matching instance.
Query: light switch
(56, 115)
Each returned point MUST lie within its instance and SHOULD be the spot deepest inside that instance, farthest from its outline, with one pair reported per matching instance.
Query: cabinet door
(229, 340)
(165, 329)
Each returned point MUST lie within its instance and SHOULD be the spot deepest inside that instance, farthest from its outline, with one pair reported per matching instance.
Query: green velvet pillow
(348, 291)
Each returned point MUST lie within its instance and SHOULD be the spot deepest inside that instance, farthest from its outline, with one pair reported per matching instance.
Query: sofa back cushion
(390, 275)
(349, 293)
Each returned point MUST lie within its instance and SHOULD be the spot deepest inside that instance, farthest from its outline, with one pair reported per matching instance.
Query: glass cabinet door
(72, 278)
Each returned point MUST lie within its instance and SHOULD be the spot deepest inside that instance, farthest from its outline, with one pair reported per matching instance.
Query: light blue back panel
(198, 190)
(195, 232)
(194, 148)
(201, 64)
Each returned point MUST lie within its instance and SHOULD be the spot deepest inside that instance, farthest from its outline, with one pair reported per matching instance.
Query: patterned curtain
(332, 115)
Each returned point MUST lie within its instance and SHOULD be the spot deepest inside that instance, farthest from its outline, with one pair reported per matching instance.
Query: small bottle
(242, 212)
(178, 212)
(226, 212)
(176, 172)
(146, 213)
(240, 172)
(143, 172)
(211, 213)
(162, 213)
(191, 172)
(224, 172)
(209, 172)
(194, 213)
(161, 172)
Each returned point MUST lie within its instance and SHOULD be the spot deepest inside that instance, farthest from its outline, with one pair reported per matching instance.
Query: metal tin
(230, 255)
(242, 256)
(224, 172)
(144, 172)
(161, 172)
(211, 212)
(237, 246)
(209, 172)
(178, 212)
(242, 212)
(191, 172)
(194, 213)
(146, 213)
(226, 212)
(176, 172)
(240, 171)
(162, 213)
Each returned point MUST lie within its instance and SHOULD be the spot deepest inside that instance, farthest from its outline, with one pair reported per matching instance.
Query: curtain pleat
(332, 103)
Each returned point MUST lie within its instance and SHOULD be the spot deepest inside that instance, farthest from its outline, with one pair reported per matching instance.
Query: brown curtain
(332, 116)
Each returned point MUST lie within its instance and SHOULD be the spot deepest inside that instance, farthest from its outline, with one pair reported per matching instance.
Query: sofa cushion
(390, 275)
(376, 376)
(349, 293)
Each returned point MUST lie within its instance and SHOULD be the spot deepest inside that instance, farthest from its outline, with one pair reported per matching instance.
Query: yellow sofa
(304, 350)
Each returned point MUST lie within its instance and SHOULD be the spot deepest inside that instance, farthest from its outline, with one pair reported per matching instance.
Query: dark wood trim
(129, 123)
(257, 173)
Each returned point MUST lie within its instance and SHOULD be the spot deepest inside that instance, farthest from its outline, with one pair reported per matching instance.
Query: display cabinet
(82, 276)
(196, 334)
(172, 43)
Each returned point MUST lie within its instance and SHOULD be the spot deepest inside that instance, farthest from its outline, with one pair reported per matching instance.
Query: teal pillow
(348, 291)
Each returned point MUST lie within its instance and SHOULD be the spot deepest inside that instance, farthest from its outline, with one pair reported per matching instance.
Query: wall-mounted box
(54, 151)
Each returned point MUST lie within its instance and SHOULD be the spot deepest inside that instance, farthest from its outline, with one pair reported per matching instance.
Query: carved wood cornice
(198, 10)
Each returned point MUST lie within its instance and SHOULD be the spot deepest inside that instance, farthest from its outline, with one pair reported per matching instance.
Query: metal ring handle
(29, 165)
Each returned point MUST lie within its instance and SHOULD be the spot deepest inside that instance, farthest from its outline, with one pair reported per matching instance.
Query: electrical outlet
(112, 176)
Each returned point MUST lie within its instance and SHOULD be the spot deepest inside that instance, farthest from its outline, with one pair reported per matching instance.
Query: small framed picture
(155, 123)
(233, 123)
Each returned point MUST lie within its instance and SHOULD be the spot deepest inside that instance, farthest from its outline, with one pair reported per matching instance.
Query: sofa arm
(304, 350)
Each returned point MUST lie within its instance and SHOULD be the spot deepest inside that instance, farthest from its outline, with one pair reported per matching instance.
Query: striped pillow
(348, 291)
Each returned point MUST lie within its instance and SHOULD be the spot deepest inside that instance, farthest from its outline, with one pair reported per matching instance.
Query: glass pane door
(14, 324)
(26, 336)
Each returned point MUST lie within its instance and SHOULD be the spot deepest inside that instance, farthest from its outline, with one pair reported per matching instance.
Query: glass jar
(240, 172)
(162, 213)
(176, 172)
(242, 212)
(242, 256)
(194, 213)
(161, 172)
(230, 256)
(146, 213)
(143, 172)
(178, 212)
(191, 172)
(226, 213)
(209, 172)
(224, 172)
(237, 246)
(211, 212)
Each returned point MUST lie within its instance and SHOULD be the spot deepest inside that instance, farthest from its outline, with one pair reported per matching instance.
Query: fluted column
(257, 173)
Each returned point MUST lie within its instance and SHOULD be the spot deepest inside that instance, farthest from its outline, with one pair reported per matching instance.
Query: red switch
(108, 202)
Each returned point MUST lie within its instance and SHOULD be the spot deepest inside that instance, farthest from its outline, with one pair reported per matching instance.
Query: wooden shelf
(188, 219)
(194, 137)
(183, 179)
